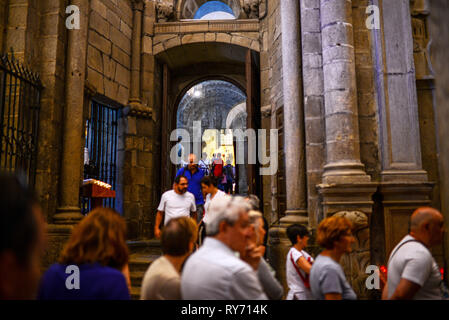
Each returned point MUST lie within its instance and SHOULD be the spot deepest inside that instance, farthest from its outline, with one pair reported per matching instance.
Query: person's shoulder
(168, 193)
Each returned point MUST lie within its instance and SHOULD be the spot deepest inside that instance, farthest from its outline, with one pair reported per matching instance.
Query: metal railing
(100, 161)
(20, 90)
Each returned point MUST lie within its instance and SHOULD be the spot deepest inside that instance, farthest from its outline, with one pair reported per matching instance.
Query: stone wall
(312, 57)
(109, 48)
(3, 22)
(367, 112)
(53, 38)
(271, 93)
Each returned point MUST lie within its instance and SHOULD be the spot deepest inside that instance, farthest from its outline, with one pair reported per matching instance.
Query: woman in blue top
(327, 279)
(94, 262)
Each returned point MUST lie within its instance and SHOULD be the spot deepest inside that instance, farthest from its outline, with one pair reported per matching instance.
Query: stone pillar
(69, 211)
(342, 129)
(134, 96)
(294, 148)
(397, 95)
(439, 30)
(293, 114)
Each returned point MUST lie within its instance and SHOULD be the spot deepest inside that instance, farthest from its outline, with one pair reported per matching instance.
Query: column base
(68, 216)
(342, 173)
(279, 244)
(399, 200)
(404, 175)
(294, 216)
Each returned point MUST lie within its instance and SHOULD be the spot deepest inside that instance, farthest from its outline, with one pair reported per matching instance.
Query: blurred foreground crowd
(221, 260)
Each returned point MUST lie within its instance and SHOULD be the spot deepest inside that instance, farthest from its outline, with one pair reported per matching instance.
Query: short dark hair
(177, 234)
(18, 224)
(296, 230)
(209, 180)
(178, 178)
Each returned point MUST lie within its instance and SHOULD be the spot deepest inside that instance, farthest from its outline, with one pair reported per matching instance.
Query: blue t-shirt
(194, 183)
(327, 276)
(96, 282)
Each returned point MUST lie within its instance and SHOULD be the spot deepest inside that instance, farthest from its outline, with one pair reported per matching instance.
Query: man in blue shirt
(194, 174)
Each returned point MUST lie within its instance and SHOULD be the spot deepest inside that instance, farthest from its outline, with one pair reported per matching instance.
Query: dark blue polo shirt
(194, 183)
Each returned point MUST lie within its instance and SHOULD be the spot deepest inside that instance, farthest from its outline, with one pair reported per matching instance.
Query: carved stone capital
(138, 110)
(266, 111)
(251, 8)
(164, 11)
(358, 219)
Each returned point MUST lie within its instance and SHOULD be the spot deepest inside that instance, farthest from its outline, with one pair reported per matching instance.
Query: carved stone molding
(138, 110)
(137, 4)
(164, 11)
(355, 263)
(266, 111)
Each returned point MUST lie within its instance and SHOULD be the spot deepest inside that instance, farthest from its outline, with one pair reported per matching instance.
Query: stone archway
(186, 9)
(191, 63)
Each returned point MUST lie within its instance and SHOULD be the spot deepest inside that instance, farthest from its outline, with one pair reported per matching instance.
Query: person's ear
(223, 226)
(191, 246)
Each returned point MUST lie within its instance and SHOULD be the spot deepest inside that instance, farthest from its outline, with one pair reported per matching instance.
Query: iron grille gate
(19, 117)
(100, 152)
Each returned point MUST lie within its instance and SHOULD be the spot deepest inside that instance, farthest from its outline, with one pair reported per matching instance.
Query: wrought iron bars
(101, 145)
(20, 90)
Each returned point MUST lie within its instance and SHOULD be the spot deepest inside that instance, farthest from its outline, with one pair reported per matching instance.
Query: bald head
(424, 215)
(427, 224)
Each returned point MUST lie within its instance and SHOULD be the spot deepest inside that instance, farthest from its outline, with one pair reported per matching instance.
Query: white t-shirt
(414, 262)
(207, 204)
(295, 283)
(176, 205)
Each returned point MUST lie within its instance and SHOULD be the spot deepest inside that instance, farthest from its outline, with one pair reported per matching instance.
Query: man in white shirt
(175, 203)
(215, 272)
(412, 271)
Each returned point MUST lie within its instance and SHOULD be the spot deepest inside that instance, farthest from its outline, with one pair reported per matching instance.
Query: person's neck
(334, 254)
(213, 193)
(419, 238)
(176, 261)
(223, 239)
(192, 169)
(298, 247)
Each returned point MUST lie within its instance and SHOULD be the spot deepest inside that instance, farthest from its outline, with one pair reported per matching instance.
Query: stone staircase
(142, 254)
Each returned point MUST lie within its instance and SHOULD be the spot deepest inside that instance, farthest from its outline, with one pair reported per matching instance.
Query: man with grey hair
(215, 272)
(412, 271)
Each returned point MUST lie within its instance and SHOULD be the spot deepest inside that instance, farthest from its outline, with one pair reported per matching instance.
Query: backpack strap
(397, 249)
(305, 280)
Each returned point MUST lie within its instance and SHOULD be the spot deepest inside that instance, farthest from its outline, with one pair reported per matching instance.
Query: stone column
(342, 130)
(295, 177)
(69, 211)
(293, 114)
(439, 30)
(134, 95)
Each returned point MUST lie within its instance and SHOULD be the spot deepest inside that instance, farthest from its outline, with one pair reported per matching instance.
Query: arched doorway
(217, 108)
(184, 67)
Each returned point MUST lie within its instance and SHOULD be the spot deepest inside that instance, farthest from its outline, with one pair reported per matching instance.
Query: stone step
(136, 278)
(145, 247)
(135, 293)
(141, 262)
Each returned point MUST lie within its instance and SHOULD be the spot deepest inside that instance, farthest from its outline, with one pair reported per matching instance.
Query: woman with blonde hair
(93, 264)
(327, 279)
